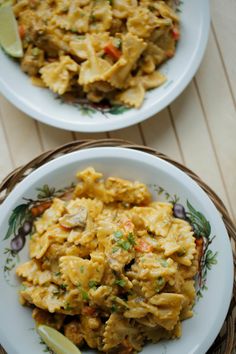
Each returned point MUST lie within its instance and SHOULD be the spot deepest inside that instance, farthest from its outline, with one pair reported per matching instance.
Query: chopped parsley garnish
(160, 282)
(63, 286)
(118, 234)
(114, 308)
(67, 307)
(81, 269)
(57, 274)
(84, 295)
(120, 282)
(93, 284)
(83, 292)
(131, 239)
(125, 244)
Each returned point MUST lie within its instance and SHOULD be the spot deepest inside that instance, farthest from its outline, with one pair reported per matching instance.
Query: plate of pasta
(99, 66)
(120, 257)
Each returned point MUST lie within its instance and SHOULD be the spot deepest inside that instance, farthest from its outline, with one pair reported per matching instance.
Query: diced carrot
(112, 51)
(176, 33)
(21, 30)
(143, 246)
(88, 311)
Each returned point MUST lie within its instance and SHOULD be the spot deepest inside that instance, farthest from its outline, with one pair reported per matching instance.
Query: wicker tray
(225, 343)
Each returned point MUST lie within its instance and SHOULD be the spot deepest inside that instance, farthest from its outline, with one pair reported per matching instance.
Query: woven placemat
(225, 343)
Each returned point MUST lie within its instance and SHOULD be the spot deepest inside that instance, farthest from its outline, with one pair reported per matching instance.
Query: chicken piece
(75, 220)
(32, 61)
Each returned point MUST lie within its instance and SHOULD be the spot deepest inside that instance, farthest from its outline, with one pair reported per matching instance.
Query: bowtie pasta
(97, 50)
(109, 267)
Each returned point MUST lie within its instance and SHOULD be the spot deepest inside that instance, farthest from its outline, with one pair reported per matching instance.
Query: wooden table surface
(198, 129)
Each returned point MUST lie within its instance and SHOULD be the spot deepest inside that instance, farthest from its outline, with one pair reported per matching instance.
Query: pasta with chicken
(109, 267)
(102, 50)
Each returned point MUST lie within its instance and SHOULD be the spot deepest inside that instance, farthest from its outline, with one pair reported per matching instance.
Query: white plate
(42, 104)
(16, 324)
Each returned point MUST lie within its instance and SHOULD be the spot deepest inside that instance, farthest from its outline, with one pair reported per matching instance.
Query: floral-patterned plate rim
(33, 195)
(81, 115)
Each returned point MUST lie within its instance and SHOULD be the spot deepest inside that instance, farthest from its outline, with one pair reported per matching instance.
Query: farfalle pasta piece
(31, 272)
(166, 11)
(161, 310)
(132, 48)
(94, 68)
(50, 216)
(155, 334)
(153, 51)
(79, 45)
(188, 272)
(117, 330)
(101, 16)
(150, 274)
(43, 297)
(149, 81)
(122, 9)
(142, 22)
(132, 97)
(113, 189)
(75, 18)
(79, 271)
(169, 307)
(57, 75)
(155, 219)
(101, 296)
(188, 291)
(40, 243)
(180, 243)
(127, 191)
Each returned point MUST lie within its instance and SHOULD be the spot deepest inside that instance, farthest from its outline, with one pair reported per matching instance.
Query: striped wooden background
(198, 129)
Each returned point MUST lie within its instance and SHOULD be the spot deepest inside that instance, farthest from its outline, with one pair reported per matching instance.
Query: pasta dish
(102, 50)
(109, 267)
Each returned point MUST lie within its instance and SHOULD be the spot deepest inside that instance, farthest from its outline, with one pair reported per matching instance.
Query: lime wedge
(9, 36)
(56, 341)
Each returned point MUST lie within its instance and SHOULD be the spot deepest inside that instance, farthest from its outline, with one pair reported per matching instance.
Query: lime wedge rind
(56, 341)
(9, 36)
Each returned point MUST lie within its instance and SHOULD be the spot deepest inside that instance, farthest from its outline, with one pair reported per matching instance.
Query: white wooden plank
(195, 141)
(131, 134)
(221, 117)
(6, 164)
(53, 137)
(91, 136)
(159, 133)
(21, 133)
(223, 18)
